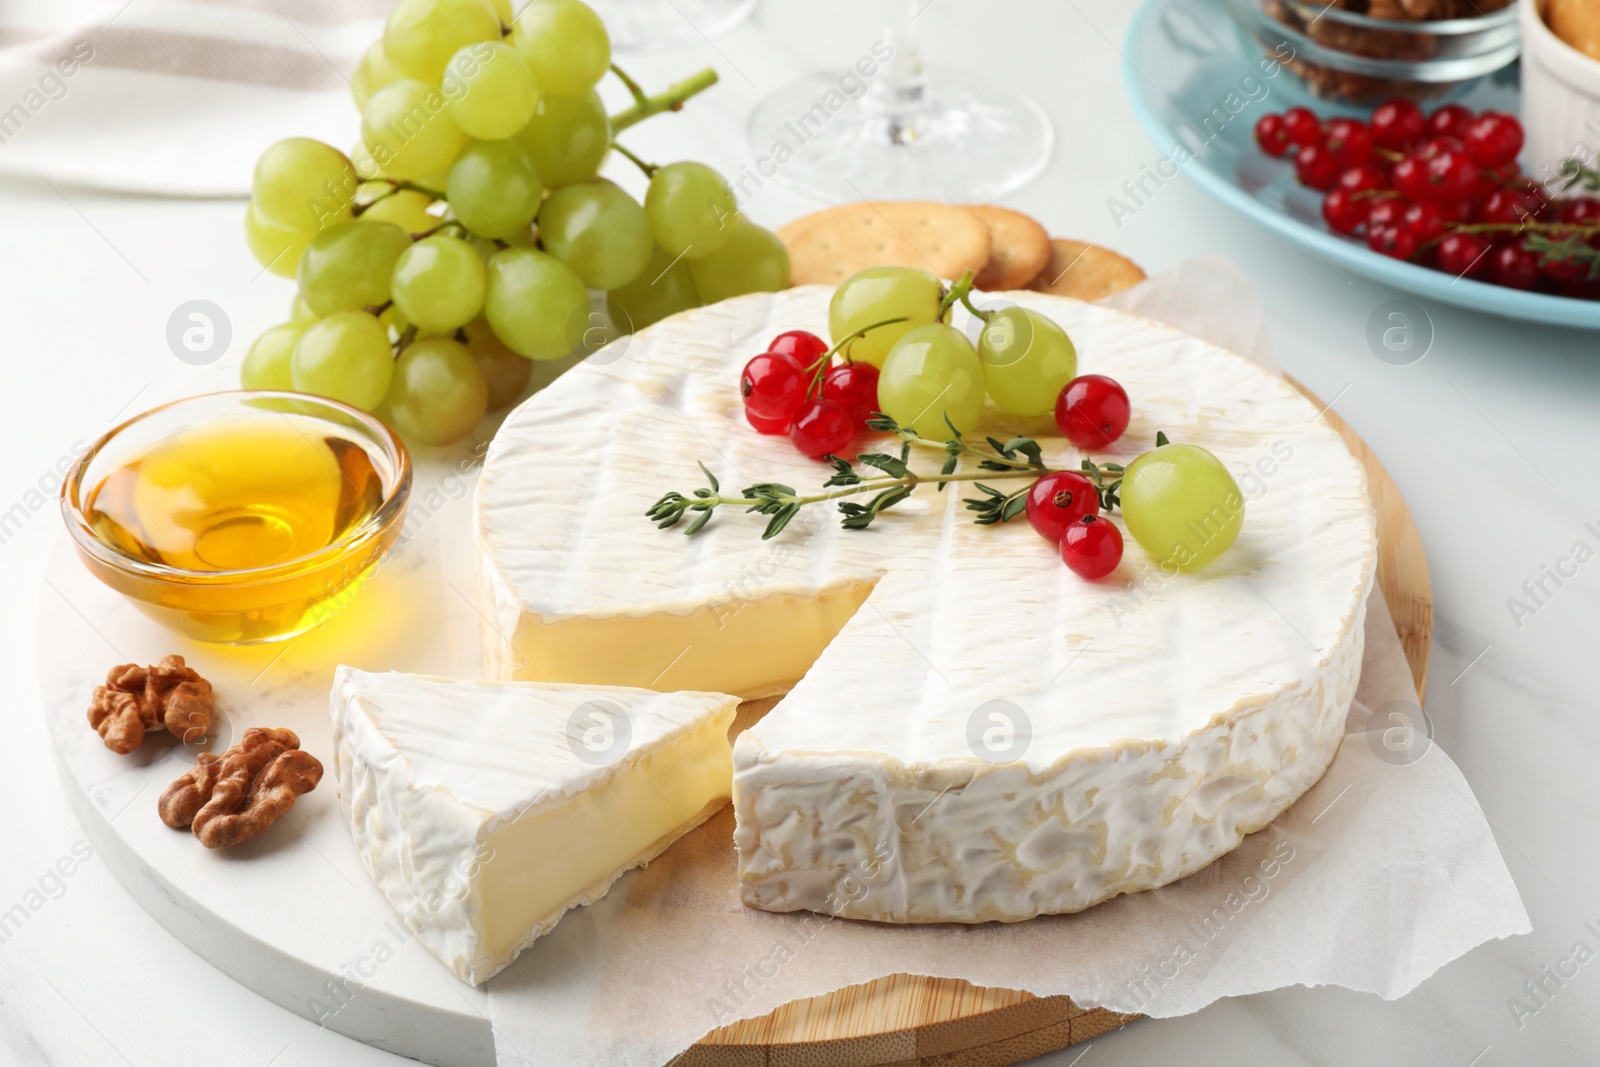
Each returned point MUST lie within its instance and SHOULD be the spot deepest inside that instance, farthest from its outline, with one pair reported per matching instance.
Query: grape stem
(648, 168)
(672, 99)
(639, 96)
(959, 291)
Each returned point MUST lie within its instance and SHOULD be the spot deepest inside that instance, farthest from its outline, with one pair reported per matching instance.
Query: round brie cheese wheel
(968, 731)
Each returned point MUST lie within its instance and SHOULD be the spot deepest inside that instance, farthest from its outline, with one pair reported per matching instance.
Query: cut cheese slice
(483, 811)
(970, 731)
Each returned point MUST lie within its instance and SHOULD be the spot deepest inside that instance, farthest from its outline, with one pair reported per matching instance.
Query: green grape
(407, 128)
(494, 189)
(267, 364)
(394, 320)
(372, 73)
(532, 301)
(304, 184)
(599, 231)
(438, 284)
(876, 295)
(300, 311)
(753, 261)
(502, 9)
(567, 138)
(504, 372)
(348, 266)
(1027, 358)
(665, 287)
(275, 247)
(438, 394)
(564, 42)
(1182, 506)
(407, 209)
(422, 35)
(346, 356)
(491, 91)
(932, 373)
(691, 209)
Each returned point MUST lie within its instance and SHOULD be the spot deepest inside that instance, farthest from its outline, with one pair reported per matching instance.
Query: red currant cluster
(794, 387)
(1064, 506)
(1441, 190)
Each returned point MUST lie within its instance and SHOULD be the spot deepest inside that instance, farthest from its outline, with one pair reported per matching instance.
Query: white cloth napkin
(174, 97)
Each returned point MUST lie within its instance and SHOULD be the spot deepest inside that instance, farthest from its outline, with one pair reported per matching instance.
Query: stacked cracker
(1005, 249)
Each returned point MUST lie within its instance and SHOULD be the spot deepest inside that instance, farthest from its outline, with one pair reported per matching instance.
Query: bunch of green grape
(929, 371)
(470, 235)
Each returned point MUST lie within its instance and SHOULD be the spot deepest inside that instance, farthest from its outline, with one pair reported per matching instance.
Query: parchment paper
(1385, 871)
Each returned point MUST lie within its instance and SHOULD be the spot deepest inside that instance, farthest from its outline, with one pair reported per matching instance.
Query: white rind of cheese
(483, 813)
(1161, 716)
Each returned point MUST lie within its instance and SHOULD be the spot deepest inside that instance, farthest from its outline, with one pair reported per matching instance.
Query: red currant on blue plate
(1092, 411)
(1092, 547)
(1058, 500)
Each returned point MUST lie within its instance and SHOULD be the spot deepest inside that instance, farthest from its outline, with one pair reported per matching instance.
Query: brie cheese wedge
(483, 811)
(970, 732)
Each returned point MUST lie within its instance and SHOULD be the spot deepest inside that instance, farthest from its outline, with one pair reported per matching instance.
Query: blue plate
(1198, 84)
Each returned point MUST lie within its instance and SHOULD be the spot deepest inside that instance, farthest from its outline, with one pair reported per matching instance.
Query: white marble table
(1491, 437)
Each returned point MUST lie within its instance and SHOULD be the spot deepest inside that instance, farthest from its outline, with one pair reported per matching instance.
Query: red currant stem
(639, 96)
(958, 291)
(648, 168)
(1570, 229)
(1392, 155)
(820, 366)
(1362, 194)
(670, 100)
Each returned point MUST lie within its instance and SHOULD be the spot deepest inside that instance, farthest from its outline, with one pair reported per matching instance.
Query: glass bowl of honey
(239, 517)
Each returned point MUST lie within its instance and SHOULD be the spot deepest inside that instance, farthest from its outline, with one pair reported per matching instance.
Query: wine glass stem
(901, 93)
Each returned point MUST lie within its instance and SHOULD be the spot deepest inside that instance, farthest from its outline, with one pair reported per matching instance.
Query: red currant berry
(1582, 211)
(773, 385)
(1513, 266)
(821, 428)
(1272, 135)
(1502, 206)
(1394, 241)
(1563, 271)
(1092, 547)
(854, 387)
(1452, 120)
(1461, 210)
(1343, 212)
(1384, 211)
(1315, 166)
(1463, 254)
(1366, 176)
(771, 426)
(1349, 142)
(803, 345)
(1058, 500)
(1424, 221)
(1092, 411)
(1452, 176)
(1397, 124)
(1410, 178)
(1439, 142)
(1302, 126)
(1494, 138)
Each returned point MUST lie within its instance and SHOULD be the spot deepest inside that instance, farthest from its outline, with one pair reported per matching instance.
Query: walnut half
(168, 696)
(233, 797)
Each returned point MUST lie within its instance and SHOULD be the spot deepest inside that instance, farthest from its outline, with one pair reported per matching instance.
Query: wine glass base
(645, 25)
(968, 140)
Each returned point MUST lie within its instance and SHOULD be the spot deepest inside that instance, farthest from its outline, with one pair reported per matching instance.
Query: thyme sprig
(1020, 457)
(1572, 248)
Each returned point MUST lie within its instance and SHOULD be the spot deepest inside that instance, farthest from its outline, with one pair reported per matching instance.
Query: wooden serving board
(909, 1020)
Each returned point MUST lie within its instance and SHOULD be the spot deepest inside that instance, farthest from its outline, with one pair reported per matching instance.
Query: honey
(246, 528)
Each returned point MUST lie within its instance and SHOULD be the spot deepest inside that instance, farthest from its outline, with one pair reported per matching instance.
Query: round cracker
(831, 245)
(1085, 271)
(1019, 248)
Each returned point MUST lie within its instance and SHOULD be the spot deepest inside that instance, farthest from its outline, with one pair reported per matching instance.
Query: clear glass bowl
(1342, 55)
(248, 604)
